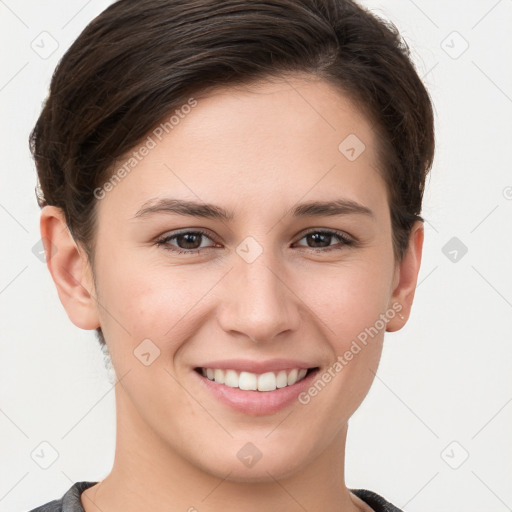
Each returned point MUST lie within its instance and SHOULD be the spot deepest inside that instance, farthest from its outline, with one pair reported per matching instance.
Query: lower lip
(257, 403)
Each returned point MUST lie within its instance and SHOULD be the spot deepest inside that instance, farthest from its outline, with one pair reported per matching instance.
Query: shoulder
(69, 502)
(377, 502)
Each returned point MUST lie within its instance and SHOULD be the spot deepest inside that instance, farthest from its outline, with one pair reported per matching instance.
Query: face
(263, 281)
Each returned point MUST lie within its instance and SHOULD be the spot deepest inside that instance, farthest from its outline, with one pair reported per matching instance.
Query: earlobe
(406, 278)
(69, 269)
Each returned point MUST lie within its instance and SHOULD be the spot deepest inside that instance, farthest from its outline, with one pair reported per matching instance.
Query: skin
(257, 151)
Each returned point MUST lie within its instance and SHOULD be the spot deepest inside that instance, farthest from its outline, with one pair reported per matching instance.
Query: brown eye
(189, 240)
(186, 242)
(321, 240)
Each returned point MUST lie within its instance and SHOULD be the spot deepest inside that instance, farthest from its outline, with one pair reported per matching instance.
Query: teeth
(268, 381)
(218, 376)
(292, 377)
(282, 379)
(248, 381)
(230, 378)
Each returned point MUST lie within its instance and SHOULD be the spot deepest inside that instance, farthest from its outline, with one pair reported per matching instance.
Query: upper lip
(271, 365)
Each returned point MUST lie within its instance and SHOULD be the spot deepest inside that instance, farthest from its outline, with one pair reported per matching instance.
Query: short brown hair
(141, 59)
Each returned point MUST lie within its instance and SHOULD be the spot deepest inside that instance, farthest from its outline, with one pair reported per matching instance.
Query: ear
(69, 268)
(405, 279)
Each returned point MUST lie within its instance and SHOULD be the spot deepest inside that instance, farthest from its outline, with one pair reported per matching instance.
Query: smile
(248, 381)
(256, 387)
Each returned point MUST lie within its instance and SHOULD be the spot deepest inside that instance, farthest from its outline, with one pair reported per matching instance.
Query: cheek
(350, 310)
(158, 302)
(350, 299)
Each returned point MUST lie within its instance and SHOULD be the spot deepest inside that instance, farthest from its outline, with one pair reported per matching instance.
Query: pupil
(315, 237)
(189, 240)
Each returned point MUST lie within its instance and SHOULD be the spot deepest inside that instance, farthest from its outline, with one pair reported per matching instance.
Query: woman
(231, 196)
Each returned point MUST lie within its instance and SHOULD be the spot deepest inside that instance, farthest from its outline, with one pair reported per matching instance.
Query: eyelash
(164, 242)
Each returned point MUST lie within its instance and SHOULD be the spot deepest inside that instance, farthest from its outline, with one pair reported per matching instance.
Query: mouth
(257, 382)
(256, 387)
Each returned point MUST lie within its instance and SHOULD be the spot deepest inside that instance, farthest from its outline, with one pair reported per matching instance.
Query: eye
(189, 242)
(323, 238)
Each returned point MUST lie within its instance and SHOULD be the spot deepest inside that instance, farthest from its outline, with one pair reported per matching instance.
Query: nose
(258, 302)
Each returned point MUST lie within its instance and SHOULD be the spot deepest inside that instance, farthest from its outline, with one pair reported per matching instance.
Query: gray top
(70, 502)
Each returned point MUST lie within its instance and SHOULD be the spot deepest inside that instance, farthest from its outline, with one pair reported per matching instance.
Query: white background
(445, 377)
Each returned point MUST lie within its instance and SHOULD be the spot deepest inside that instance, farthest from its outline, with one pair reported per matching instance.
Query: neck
(149, 474)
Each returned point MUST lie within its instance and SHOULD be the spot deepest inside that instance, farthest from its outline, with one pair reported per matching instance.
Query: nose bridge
(258, 302)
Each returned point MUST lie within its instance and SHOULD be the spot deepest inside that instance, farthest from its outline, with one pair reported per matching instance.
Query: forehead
(287, 139)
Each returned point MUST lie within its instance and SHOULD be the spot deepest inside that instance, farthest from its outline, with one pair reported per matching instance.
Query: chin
(265, 470)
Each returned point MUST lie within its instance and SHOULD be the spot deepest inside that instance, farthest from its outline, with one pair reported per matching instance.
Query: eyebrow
(211, 211)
